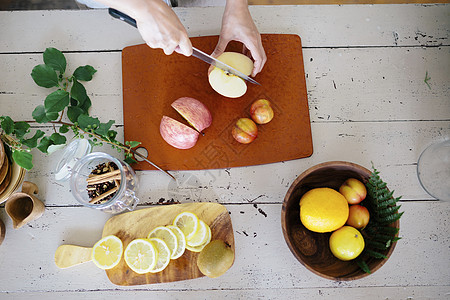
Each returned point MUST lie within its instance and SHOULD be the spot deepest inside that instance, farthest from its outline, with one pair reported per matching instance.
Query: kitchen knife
(196, 52)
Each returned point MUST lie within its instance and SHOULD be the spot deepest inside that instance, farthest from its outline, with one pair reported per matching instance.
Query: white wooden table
(365, 68)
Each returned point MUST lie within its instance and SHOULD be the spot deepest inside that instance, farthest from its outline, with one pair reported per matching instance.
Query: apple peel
(194, 112)
(177, 134)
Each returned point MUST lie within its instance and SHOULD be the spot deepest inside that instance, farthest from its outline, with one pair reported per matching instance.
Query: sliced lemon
(163, 255)
(167, 236)
(141, 255)
(188, 223)
(107, 252)
(200, 236)
(181, 241)
(206, 242)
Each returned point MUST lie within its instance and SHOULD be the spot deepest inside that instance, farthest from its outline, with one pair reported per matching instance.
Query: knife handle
(121, 16)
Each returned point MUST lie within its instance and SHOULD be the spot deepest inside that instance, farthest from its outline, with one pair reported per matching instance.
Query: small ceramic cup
(23, 207)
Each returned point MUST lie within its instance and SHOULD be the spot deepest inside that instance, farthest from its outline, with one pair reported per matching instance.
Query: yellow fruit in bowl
(323, 210)
(346, 243)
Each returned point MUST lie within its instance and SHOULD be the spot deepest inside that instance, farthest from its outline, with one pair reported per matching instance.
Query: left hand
(238, 25)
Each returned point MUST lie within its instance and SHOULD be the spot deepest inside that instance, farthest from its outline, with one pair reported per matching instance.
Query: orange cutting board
(139, 223)
(152, 81)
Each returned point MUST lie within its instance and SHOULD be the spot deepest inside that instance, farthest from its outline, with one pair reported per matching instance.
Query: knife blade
(196, 52)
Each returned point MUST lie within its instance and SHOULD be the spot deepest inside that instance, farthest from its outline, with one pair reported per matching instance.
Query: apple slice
(226, 84)
(193, 111)
(177, 134)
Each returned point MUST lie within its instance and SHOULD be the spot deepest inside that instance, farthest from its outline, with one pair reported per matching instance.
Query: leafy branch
(70, 99)
(378, 234)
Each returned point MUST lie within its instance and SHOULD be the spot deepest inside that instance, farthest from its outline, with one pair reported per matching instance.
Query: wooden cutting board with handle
(152, 81)
(137, 224)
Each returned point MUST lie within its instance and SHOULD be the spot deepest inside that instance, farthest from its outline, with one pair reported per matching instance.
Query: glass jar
(125, 181)
(433, 170)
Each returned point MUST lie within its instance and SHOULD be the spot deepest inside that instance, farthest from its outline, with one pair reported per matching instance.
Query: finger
(169, 49)
(185, 47)
(220, 47)
(259, 57)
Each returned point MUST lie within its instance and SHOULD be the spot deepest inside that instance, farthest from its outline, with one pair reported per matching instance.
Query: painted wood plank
(263, 260)
(319, 26)
(294, 293)
(394, 148)
(362, 84)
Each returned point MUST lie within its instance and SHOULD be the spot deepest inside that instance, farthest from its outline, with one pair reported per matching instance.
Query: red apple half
(177, 134)
(193, 111)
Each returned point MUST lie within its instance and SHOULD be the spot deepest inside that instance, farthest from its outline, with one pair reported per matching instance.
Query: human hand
(160, 27)
(238, 25)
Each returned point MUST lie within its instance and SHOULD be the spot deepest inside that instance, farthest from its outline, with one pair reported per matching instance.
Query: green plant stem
(13, 143)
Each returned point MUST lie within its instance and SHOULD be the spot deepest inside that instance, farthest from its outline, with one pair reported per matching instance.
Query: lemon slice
(181, 241)
(200, 236)
(141, 255)
(107, 252)
(167, 236)
(188, 223)
(163, 255)
(207, 240)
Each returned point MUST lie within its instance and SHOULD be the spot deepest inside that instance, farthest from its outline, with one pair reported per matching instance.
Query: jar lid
(72, 153)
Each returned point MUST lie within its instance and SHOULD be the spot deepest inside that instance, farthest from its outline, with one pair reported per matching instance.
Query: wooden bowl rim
(304, 174)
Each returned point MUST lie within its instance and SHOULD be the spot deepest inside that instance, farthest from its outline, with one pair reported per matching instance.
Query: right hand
(160, 27)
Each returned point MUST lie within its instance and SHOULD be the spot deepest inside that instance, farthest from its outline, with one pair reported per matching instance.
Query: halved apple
(195, 112)
(226, 84)
(177, 134)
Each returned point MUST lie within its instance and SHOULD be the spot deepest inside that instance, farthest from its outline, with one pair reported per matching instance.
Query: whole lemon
(323, 210)
(346, 243)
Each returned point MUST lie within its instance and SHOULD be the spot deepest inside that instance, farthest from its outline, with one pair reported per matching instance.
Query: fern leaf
(375, 254)
(377, 245)
(363, 265)
(391, 218)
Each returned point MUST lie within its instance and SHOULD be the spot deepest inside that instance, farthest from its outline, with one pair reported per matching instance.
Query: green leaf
(133, 144)
(73, 112)
(84, 73)
(21, 128)
(103, 128)
(55, 59)
(363, 265)
(84, 121)
(64, 129)
(56, 101)
(44, 144)
(375, 254)
(44, 76)
(41, 116)
(58, 139)
(86, 105)
(7, 124)
(32, 142)
(78, 92)
(130, 160)
(23, 159)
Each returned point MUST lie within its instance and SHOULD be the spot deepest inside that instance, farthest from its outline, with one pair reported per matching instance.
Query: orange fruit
(346, 243)
(323, 210)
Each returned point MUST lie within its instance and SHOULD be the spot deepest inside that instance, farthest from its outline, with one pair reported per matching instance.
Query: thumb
(221, 46)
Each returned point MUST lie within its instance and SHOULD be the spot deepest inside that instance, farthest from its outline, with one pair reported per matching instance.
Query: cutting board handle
(70, 255)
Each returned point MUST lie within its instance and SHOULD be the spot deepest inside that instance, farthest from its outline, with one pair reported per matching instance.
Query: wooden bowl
(312, 248)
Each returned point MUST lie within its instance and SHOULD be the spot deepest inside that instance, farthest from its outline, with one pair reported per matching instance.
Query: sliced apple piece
(177, 134)
(193, 111)
(226, 84)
